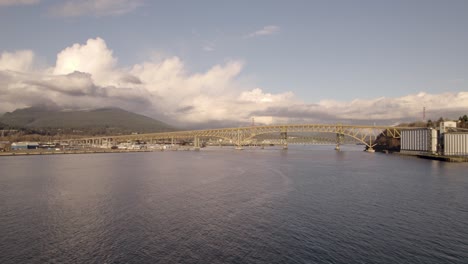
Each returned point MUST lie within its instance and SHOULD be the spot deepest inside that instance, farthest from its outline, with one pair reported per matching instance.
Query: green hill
(97, 121)
(3, 126)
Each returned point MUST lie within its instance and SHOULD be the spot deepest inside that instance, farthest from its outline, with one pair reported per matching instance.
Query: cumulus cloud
(88, 76)
(208, 47)
(258, 96)
(74, 8)
(18, 2)
(93, 57)
(267, 30)
(17, 61)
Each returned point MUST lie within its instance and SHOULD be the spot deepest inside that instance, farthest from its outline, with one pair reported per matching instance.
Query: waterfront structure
(418, 141)
(24, 145)
(242, 136)
(456, 144)
(445, 141)
(446, 125)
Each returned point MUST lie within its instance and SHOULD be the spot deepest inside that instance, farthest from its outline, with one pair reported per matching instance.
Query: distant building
(48, 145)
(419, 141)
(445, 125)
(447, 140)
(24, 145)
(456, 144)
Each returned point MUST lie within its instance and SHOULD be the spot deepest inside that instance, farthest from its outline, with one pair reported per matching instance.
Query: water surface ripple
(308, 204)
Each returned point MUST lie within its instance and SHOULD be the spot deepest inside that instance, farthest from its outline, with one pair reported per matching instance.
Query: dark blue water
(304, 205)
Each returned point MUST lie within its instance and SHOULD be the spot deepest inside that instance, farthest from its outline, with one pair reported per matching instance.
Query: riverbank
(444, 158)
(46, 152)
(84, 151)
(436, 157)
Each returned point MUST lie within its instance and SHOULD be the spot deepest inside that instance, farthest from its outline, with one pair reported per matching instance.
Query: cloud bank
(267, 30)
(88, 76)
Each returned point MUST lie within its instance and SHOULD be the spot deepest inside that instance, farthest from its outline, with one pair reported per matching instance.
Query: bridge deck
(244, 135)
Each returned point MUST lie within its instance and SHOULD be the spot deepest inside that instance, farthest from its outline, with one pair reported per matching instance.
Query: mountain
(97, 121)
(3, 126)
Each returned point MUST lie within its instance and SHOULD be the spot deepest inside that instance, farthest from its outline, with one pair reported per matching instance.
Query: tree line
(462, 122)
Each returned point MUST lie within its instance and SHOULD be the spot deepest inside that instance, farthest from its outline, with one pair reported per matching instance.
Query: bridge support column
(239, 141)
(339, 139)
(370, 147)
(196, 143)
(284, 139)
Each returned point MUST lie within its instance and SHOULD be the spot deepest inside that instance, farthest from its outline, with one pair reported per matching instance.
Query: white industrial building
(424, 141)
(446, 125)
(456, 144)
(419, 141)
(453, 143)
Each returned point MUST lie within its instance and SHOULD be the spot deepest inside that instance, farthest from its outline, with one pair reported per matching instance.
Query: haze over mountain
(103, 120)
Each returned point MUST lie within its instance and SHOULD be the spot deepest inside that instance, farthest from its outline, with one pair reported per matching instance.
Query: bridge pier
(339, 140)
(196, 143)
(239, 142)
(370, 149)
(284, 139)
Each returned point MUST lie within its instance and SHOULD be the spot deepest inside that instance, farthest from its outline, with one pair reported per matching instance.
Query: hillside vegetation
(104, 121)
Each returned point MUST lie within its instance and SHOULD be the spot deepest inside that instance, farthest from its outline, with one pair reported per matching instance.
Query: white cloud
(74, 8)
(258, 96)
(93, 57)
(88, 76)
(267, 30)
(208, 47)
(18, 2)
(405, 107)
(17, 61)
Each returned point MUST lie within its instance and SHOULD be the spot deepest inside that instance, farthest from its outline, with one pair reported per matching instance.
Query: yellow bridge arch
(243, 135)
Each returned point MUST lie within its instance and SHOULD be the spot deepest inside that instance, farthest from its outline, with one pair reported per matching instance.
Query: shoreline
(67, 152)
(443, 158)
(28, 153)
(435, 157)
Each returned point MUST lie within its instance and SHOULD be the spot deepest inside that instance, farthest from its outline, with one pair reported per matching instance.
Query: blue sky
(317, 50)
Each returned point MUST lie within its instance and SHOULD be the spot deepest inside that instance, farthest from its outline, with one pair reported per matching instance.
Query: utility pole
(424, 114)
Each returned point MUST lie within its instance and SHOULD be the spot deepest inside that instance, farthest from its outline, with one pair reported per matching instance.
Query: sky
(220, 63)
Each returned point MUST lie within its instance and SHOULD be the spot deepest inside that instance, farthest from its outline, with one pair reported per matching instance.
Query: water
(304, 205)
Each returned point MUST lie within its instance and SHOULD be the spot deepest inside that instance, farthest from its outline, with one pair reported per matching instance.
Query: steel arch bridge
(241, 136)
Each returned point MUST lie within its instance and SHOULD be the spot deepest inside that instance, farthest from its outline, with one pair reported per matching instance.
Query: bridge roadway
(241, 136)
